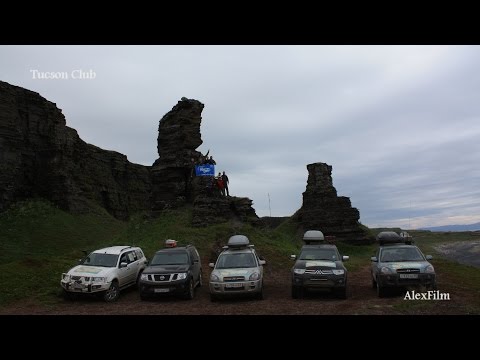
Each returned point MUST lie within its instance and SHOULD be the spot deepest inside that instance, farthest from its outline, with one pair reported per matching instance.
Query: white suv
(105, 272)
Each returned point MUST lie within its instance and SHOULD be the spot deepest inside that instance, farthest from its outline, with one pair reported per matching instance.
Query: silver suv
(105, 272)
(238, 270)
(399, 265)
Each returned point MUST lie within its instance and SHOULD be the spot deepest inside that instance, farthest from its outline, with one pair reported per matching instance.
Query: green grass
(38, 242)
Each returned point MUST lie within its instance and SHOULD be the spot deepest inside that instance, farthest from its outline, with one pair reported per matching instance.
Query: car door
(375, 268)
(127, 274)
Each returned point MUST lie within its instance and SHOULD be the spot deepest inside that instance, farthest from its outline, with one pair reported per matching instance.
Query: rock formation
(323, 210)
(178, 138)
(42, 157)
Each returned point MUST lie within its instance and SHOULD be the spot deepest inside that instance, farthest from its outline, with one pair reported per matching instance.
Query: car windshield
(170, 258)
(318, 254)
(401, 254)
(230, 261)
(97, 259)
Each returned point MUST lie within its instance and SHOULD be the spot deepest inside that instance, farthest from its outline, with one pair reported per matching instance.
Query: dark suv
(175, 270)
(318, 267)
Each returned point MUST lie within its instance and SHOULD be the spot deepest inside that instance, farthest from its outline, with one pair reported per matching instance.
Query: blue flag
(205, 170)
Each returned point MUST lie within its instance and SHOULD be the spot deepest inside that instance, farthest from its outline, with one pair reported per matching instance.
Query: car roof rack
(392, 238)
(312, 237)
(238, 242)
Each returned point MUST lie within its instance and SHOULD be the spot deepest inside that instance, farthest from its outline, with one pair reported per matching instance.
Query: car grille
(408, 271)
(234, 278)
(79, 278)
(318, 272)
(161, 277)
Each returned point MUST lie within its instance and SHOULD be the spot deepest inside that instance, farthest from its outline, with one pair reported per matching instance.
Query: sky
(400, 125)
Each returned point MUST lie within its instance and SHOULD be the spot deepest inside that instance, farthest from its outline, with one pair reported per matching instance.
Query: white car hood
(85, 270)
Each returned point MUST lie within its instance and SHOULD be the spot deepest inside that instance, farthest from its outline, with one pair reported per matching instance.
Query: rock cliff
(42, 157)
(323, 210)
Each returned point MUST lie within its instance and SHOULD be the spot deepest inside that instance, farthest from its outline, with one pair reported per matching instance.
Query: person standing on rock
(220, 184)
(225, 183)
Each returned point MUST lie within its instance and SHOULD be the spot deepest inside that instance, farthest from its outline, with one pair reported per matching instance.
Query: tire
(190, 294)
(113, 293)
(342, 292)
(297, 292)
(259, 295)
(137, 282)
(374, 283)
(213, 298)
(200, 280)
(381, 291)
(144, 297)
(67, 295)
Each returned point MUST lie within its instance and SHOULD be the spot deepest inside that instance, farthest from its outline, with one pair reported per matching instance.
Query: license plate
(237, 285)
(408, 276)
(161, 290)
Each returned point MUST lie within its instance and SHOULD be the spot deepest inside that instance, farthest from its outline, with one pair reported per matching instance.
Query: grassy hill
(38, 242)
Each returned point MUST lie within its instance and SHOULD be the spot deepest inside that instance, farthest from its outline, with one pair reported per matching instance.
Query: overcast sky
(399, 124)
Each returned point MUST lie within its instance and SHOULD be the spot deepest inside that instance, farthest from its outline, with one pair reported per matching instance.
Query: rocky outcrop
(178, 138)
(323, 210)
(42, 157)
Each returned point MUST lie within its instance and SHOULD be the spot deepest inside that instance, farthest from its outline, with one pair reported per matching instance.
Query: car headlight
(338, 272)
(181, 276)
(386, 270)
(65, 277)
(299, 271)
(254, 276)
(144, 277)
(429, 269)
(98, 279)
(214, 277)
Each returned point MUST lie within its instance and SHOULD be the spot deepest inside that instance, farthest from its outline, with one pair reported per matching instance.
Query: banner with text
(205, 170)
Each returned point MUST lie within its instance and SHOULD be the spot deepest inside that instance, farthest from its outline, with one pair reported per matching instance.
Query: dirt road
(362, 299)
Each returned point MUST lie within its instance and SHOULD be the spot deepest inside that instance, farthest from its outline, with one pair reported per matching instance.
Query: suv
(105, 272)
(237, 271)
(319, 266)
(398, 265)
(174, 270)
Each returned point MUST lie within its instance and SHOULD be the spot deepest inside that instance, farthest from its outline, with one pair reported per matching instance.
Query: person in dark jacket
(225, 183)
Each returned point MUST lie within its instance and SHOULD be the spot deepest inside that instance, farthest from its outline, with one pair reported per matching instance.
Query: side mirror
(123, 264)
(262, 262)
(429, 257)
(212, 265)
(80, 261)
(146, 262)
(293, 257)
(374, 259)
(345, 257)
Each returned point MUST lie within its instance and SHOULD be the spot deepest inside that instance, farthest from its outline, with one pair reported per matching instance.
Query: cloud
(399, 124)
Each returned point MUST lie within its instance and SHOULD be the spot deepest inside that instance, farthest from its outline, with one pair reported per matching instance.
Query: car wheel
(200, 280)
(113, 293)
(259, 295)
(190, 294)
(144, 297)
(213, 298)
(342, 292)
(137, 282)
(374, 283)
(67, 295)
(381, 291)
(297, 292)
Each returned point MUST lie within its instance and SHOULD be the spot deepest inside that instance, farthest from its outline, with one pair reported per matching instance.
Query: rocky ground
(464, 252)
